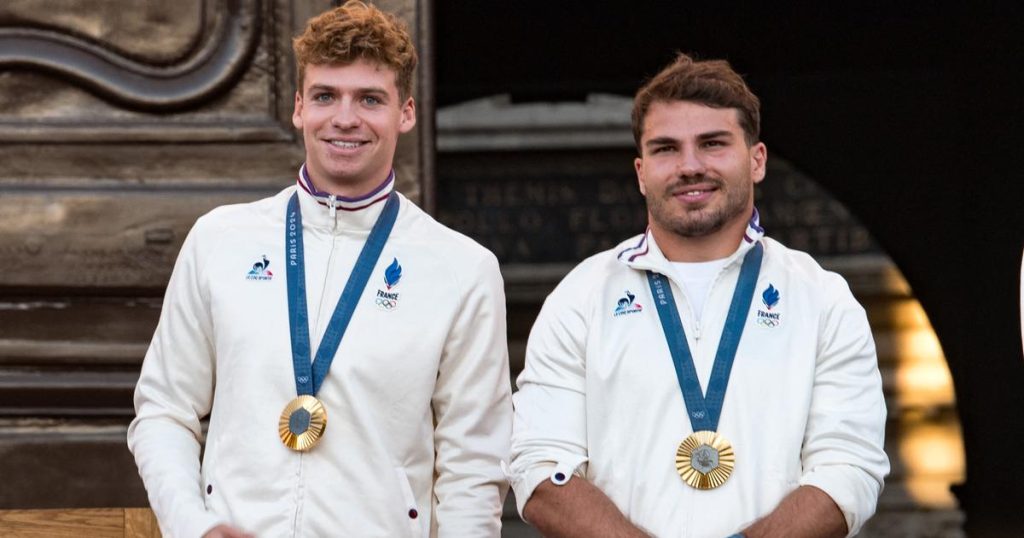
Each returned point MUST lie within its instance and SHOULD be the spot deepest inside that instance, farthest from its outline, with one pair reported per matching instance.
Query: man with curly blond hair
(349, 350)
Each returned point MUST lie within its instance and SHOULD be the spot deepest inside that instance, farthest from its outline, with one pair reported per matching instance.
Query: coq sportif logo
(260, 270)
(627, 305)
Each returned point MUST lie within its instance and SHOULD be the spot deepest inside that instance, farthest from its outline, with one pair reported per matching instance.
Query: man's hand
(577, 509)
(807, 512)
(225, 531)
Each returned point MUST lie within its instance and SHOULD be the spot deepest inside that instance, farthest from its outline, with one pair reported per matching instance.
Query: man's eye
(663, 149)
(714, 143)
(322, 97)
(371, 100)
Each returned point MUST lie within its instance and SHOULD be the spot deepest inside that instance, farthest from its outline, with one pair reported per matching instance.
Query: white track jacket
(417, 398)
(804, 405)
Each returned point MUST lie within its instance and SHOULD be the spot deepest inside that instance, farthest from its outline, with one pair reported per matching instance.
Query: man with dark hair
(700, 379)
(349, 350)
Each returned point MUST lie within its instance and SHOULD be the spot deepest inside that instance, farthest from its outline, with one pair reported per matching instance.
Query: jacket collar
(642, 252)
(337, 213)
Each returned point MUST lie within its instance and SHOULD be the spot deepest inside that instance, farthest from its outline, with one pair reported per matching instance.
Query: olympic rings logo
(768, 322)
(387, 304)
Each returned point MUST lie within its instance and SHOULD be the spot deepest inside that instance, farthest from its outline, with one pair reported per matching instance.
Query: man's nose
(345, 115)
(690, 162)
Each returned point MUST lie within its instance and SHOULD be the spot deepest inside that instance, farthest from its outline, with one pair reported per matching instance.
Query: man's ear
(408, 119)
(297, 114)
(638, 164)
(758, 161)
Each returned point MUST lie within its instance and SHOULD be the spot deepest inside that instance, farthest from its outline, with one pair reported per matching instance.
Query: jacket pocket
(412, 511)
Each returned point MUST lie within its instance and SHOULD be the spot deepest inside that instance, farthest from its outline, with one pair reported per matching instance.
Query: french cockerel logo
(260, 270)
(627, 305)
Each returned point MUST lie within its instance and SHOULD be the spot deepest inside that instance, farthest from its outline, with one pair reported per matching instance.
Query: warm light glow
(933, 449)
(921, 375)
(919, 345)
(924, 383)
(911, 314)
(933, 492)
(933, 457)
(931, 452)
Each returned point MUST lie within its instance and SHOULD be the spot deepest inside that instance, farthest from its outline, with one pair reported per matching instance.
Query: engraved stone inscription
(544, 220)
(802, 215)
(580, 204)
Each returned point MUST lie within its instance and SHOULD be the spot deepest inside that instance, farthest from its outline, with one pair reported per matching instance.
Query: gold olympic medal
(302, 423)
(705, 460)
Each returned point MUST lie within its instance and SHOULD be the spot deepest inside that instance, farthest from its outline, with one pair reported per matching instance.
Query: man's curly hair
(357, 31)
(711, 83)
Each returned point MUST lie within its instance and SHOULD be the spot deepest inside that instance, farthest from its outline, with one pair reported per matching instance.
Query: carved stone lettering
(573, 212)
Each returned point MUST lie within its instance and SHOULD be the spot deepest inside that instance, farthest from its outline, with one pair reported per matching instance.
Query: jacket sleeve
(174, 392)
(549, 434)
(473, 410)
(843, 447)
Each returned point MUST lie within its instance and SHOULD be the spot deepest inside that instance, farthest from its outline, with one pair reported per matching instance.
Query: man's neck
(706, 248)
(350, 191)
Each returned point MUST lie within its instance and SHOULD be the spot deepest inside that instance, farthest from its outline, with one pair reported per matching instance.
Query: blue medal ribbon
(310, 375)
(705, 410)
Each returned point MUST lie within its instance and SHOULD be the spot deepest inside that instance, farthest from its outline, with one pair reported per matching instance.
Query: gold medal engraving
(705, 460)
(302, 423)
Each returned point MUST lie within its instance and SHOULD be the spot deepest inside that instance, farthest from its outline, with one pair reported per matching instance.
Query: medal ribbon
(704, 411)
(310, 375)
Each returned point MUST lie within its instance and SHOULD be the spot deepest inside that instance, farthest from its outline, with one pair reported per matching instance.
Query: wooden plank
(140, 523)
(79, 522)
(74, 523)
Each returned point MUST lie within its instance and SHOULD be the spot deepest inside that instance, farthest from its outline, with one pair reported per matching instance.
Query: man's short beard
(697, 223)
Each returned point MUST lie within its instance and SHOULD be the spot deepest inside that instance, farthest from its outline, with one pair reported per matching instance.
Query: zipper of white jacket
(707, 297)
(693, 316)
(333, 211)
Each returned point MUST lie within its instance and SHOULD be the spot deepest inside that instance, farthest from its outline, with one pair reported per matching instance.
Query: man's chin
(340, 176)
(698, 224)
(697, 230)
